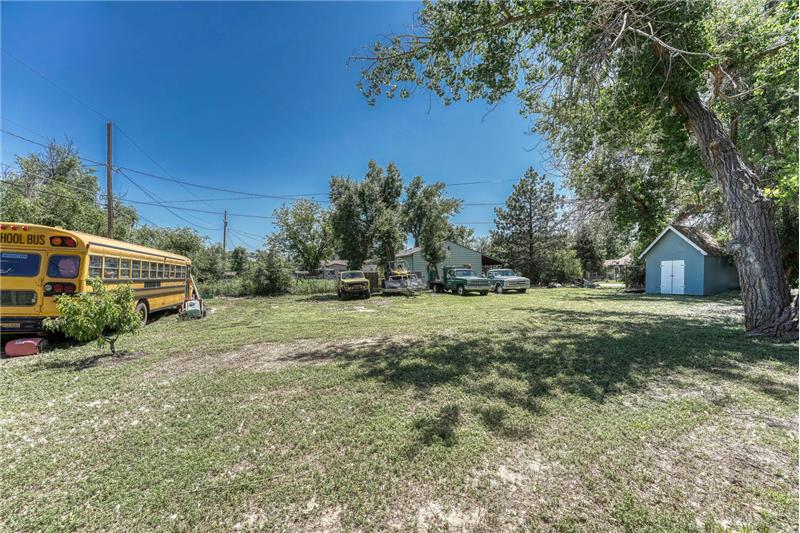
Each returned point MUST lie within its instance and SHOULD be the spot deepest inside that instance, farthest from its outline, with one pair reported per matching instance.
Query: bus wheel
(141, 310)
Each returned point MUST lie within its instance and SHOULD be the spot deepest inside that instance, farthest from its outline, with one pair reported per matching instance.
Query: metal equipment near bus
(398, 280)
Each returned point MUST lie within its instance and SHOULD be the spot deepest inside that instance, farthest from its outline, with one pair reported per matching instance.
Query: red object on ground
(20, 347)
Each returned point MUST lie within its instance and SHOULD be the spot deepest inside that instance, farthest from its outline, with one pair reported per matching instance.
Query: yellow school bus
(38, 263)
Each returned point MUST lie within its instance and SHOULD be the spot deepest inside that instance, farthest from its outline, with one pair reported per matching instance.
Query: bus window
(63, 266)
(111, 268)
(95, 266)
(153, 270)
(17, 264)
(136, 269)
(125, 268)
(160, 271)
(181, 272)
(145, 269)
(172, 271)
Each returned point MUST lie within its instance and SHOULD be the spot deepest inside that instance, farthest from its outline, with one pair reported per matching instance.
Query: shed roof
(699, 239)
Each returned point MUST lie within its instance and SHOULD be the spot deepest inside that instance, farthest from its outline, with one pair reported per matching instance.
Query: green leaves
(54, 188)
(366, 215)
(528, 234)
(304, 233)
(100, 315)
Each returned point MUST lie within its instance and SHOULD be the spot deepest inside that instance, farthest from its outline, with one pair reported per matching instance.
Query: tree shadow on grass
(319, 298)
(730, 297)
(593, 355)
(85, 363)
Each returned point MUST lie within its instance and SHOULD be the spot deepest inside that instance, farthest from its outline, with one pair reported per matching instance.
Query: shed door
(677, 277)
(672, 278)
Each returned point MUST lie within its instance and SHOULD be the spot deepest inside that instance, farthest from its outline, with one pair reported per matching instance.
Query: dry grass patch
(271, 356)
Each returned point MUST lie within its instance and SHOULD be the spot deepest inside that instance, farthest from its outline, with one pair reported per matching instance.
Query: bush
(269, 274)
(224, 287)
(563, 266)
(313, 286)
(101, 315)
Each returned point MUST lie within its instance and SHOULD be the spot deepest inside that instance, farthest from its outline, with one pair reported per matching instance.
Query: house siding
(671, 247)
(720, 275)
(456, 256)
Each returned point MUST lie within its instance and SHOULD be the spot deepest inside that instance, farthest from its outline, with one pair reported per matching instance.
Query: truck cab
(459, 280)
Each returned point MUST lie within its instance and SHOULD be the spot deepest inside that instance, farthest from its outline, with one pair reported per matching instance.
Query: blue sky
(248, 96)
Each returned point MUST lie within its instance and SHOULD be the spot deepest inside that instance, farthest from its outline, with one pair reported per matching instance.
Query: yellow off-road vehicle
(352, 283)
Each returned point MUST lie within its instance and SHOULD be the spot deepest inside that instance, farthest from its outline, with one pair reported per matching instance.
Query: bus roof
(96, 240)
(88, 239)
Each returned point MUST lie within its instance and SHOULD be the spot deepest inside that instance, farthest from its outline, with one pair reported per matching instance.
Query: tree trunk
(756, 250)
(112, 341)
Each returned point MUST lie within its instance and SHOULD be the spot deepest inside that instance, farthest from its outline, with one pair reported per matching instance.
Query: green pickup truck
(459, 281)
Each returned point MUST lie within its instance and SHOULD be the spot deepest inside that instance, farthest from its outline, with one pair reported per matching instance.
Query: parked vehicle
(505, 279)
(398, 280)
(458, 280)
(39, 263)
(352, 283)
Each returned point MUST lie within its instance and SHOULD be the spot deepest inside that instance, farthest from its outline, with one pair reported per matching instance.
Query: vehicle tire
(367, 295)
(434, 288)
(460, 290)
(523, 291)
(498, 289)
(484, 293)
(143, 311)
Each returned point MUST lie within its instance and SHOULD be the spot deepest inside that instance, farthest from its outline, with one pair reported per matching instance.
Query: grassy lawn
(562, 409)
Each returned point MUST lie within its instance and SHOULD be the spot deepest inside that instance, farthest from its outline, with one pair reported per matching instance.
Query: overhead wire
(39, 188)
(152, 197)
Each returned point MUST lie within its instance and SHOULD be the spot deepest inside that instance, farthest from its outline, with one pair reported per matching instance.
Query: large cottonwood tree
(690, 60)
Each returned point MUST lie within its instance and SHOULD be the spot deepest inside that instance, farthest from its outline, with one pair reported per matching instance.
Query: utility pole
(109, 186)
(225, 232)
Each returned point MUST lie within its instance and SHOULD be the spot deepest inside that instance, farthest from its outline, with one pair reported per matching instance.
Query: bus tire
(143, 311)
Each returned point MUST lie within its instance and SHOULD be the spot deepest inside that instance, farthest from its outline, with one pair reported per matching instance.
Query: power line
(95, 161)
(244, 195)
(152, 197)
(54, 84)
(255, 236)
(156, 163)
(39, 187)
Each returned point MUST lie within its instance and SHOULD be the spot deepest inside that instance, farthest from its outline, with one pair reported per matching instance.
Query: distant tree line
(368, 219)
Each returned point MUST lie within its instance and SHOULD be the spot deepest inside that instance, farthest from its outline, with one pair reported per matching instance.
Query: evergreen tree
(527, 232)
(588, 251)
